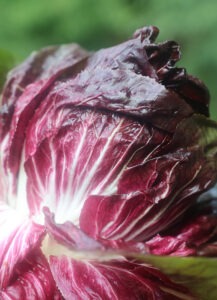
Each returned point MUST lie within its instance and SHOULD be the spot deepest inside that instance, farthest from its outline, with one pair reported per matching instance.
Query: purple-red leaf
(33, 280)
(115, 279)
(18, 237)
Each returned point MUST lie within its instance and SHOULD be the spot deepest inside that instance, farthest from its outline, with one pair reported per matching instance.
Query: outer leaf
(198, 273)
(114, 279)
(50, 62)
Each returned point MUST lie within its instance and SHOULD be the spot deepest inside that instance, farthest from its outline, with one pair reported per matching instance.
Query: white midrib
(72, 212)
(65, 203)
(111, 189)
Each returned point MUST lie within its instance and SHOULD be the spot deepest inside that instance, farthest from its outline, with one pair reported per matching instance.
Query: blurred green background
(26, 25)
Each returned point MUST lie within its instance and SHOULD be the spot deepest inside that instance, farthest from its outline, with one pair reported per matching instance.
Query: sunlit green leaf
(199, 274)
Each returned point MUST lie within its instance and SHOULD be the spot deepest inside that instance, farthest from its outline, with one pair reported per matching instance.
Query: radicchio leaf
(18, 237)
(114, 279)
(49, 62)
(139, 215)
(33, 280)
(187, 240)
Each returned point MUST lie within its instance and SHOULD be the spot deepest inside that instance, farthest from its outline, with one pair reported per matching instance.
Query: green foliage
(197, 273)
(26, 25)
